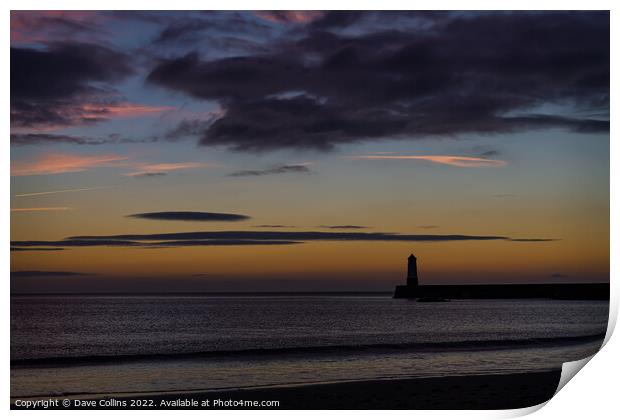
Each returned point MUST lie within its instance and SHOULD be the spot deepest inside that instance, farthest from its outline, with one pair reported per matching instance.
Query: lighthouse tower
(412, 272)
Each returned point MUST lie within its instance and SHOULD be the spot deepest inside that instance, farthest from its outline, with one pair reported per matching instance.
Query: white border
(592, 394)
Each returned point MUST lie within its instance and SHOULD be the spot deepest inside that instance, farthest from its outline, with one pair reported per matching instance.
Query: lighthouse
(412, 272)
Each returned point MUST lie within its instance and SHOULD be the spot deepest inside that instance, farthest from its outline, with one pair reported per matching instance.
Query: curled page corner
(570, 369)
(520, 412)
(613, 318)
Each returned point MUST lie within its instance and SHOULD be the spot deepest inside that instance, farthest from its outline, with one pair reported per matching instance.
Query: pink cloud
(460, 161)
(28, 26)
(87, 113)
(290, 16)
(123, 110)
(146, 169)
(56, 163)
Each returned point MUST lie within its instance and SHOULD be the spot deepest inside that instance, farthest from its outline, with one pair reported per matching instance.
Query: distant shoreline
(485, 392)
(344, 293)
(268, 293)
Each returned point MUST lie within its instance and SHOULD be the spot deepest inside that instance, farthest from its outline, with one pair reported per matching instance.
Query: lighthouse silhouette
(412, 271)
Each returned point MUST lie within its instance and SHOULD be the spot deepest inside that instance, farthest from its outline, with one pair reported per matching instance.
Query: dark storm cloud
(20, 274)
(344, 227)
(191, 216)
(465, 73)
(52, 86)
(282, 169)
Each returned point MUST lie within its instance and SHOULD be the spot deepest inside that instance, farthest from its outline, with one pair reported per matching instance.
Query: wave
(470, 345)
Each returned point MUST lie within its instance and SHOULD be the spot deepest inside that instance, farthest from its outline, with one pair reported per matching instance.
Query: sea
(115, 345)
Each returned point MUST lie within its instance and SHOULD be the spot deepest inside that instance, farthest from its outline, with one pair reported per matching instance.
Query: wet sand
(455, 392)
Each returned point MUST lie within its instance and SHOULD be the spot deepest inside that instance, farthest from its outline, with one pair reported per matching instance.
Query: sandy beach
(456, 392)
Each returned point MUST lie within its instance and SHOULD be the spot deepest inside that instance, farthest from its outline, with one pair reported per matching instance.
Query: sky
(307, 150)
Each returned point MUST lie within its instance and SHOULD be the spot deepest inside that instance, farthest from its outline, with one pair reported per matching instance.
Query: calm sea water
(76, 345)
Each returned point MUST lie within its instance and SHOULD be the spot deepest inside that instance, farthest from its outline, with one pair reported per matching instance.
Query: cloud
(273, 226)
(77, 243)
(428, 226)
(345, 227)
(534, 240)
(228, 33)
(282, 235)
(191, 216)
(460, 161)
(148, 174)
(56, 163)
(29, 26)
(282, 169)
(39, 138)
(19, 249)
(489, 153)
(435, 74)
(120, 110)
(341, 19)
(39, 209)
(239, 238)
(67, 84)
(559, 276)
(504, 195)
(77, 114)
(290, 16)
(221, 242)
(182, 30)
(29, 139)
(73, 243)
(59, 191)
(188, 128)
(160, 169)
(23, 274)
